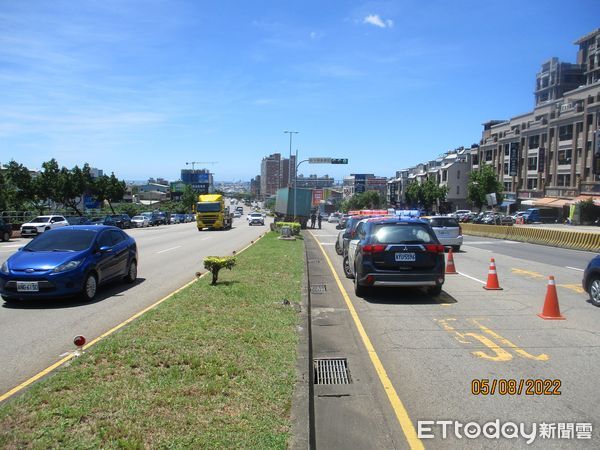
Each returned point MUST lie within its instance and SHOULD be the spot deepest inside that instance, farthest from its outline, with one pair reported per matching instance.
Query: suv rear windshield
(444, 222)
(402, 233)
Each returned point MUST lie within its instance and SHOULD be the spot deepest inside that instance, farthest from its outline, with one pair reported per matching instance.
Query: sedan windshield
(138, 218)
(62, 241)
(208, 207)
(41, 219)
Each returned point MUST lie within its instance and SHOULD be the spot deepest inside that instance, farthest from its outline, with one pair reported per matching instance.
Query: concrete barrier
(577, 240)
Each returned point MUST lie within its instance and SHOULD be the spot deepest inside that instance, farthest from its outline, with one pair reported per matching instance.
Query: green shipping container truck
(284, 205)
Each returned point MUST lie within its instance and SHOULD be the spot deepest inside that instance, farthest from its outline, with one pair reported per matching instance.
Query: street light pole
(290, 163)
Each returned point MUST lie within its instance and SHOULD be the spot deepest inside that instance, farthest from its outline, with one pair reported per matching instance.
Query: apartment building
(551, 155)
(275, 173)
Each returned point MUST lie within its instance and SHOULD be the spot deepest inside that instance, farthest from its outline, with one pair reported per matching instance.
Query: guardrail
(577, 240)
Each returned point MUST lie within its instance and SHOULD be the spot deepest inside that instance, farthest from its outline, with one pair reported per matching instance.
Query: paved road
(433, 349)
(34, 334)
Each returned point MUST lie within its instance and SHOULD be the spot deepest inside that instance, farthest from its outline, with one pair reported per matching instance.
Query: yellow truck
(212, 213)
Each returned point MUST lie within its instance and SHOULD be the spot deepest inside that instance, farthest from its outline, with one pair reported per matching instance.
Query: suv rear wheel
(359, 290)
(594, 290)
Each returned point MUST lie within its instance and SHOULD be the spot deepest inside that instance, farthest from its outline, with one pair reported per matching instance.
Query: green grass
(212, 367)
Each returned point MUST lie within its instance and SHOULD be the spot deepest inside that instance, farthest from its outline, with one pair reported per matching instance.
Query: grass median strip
(212, 367)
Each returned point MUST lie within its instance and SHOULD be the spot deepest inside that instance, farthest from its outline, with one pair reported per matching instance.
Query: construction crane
(193, 163)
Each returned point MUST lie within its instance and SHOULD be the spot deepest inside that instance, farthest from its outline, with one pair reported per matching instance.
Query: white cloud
(374, 19)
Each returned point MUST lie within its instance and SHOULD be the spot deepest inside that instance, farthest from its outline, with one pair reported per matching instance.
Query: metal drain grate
(318, 288)
(314, 261)
(331, 371)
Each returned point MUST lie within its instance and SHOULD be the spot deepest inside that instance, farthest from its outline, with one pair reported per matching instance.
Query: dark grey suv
(396, 252)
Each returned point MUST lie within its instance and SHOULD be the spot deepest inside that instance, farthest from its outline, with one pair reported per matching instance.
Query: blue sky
(141, 87)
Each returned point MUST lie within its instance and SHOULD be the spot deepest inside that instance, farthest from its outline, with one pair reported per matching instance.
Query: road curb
(301, 400)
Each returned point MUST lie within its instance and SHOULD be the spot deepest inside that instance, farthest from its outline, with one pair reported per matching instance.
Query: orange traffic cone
(450, 269)
(492, 281)
(551, 309)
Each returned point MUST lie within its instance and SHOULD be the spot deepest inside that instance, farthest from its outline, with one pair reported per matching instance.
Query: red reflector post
(79, 341)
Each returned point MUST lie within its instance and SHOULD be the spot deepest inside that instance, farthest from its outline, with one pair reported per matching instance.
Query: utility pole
(290, 163)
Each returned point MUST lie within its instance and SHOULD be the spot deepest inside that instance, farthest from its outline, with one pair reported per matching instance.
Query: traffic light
(339, 160)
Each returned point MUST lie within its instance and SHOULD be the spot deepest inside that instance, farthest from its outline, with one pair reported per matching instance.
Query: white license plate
(405, 257)
(27, 286)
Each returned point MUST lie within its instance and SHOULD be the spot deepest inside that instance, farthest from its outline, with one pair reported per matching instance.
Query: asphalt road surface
(35, 334)
(436, 352)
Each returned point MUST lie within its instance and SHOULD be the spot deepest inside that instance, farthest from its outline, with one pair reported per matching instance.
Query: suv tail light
(435, 248)
(369, 248)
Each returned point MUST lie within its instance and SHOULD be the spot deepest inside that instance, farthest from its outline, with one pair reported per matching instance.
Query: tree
(363, 200)
(188, 198)
(414, 193)
(72, 185)
(18, 185)
(481, 183)
(109, 189)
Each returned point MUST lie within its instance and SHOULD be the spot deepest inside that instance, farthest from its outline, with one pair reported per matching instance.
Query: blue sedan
(68, 261)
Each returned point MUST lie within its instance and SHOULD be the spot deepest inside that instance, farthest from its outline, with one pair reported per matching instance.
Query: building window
(532, 163)
(475, 159)
(565, 133)
(564, 157)
(506, 150)
(531, 183)
(507, 185)
(563, 180)
(458, 175)
(534, 141)
(488, 155)
(578, 127)
(457, 190)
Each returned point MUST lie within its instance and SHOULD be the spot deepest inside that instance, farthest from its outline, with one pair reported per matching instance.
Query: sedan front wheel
(594, 289)
(90, 287)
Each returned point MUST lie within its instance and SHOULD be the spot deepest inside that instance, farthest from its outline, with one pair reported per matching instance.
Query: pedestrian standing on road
(313, 217)
(319, 219)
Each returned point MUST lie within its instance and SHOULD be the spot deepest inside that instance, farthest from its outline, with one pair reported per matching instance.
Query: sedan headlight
(67, 266)
(4, 267)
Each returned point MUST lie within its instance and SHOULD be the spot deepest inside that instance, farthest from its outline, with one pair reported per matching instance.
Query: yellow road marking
(60, 362)
(401, 413)
(520, 351)
(500, 352)
(573, 287)
(527, 273)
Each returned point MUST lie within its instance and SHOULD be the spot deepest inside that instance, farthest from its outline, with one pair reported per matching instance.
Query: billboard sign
(513, 165)
(317, 196)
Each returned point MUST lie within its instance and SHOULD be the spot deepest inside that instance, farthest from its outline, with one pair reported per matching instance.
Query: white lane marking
(575, 268)
(168, 249)
(11, 246)
(480, 249)
(472, 278)
(325, 235)
(327, 243)
(204, 239)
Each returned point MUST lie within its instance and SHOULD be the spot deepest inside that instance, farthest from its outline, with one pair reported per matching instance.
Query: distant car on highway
(122, 220)
(237, 214)
(256, 219)
(71, 260)
(106, 220)
(140, 221)
(78, 220)
(591, 280)
(41, 224)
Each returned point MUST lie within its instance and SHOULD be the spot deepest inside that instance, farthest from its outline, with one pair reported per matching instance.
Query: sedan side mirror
(105, 249)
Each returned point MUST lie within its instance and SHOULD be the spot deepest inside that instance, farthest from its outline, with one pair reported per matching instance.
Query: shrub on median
(215, 263)
(295, 226)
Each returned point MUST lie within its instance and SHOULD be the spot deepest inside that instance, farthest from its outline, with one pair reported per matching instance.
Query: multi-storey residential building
(255, 186)
(270, 175)
(551, 155)
(358, 183)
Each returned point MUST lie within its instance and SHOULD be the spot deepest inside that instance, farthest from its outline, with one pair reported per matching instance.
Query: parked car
(140, 221)
(591, 280)
(347, 233)
(497, 219)
(333, 218)
(5, 229)
(256, 219)
(122, 220)
(391, 251)
(543, 214)
(106, 220)
(177, 218)
(71, 260)
(447, 230)
(153, 218)
(78, 220)
(190, 218)
(41, 224)
(240, 209)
